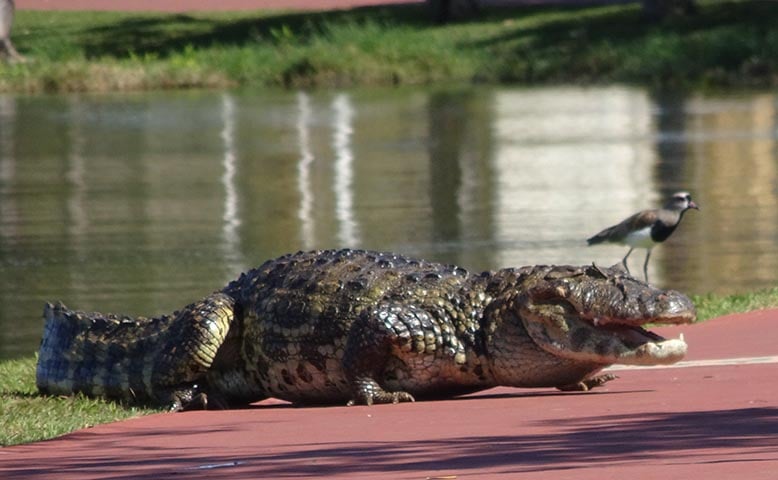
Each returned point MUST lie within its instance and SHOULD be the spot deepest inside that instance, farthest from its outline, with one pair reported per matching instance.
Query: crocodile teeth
(680, 337)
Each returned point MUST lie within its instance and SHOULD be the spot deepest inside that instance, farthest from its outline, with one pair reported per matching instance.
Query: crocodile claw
(375, 394)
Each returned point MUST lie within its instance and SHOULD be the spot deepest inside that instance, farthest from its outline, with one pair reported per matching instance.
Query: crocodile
(363, 327)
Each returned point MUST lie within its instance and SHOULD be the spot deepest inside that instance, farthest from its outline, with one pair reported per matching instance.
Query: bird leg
(624, 261)
(7, 49)
(645, 264)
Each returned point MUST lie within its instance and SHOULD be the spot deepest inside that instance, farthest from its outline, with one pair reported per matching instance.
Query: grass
(712, 306)
(726, 43)
(26, 416)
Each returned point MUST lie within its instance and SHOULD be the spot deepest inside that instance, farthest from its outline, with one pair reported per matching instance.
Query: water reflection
(731, 151)
(580, 156)
(76, 171)
(141, 203)
(339, 117)
(304, 172)
(342, 119)
(461, 176)
(8, 207)
(231, 244)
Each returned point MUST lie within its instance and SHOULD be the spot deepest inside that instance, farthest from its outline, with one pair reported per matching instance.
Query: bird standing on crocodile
(647, 228)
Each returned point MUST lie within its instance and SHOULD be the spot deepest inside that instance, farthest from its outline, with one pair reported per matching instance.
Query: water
(142, 203)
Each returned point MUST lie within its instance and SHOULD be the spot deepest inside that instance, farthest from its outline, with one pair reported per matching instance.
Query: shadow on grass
(163, 35)
(725, 43)
(724, 39)
(584, 41)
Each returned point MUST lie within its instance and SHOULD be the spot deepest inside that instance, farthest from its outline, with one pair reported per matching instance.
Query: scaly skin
(366, 327)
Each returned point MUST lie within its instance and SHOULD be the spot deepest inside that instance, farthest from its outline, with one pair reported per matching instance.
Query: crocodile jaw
(596, 315)
(566, 330)
(657, 353)
(636, 346)
(581, 340)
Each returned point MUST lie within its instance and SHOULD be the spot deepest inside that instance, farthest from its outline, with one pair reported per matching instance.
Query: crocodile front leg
(377, 335)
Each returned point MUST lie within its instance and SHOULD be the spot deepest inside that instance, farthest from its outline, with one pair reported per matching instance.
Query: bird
(647, 228)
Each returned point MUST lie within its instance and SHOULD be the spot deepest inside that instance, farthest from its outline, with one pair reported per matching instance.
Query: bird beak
(693, 205)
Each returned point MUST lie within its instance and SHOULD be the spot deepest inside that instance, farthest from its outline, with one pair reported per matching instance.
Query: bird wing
(618, 232)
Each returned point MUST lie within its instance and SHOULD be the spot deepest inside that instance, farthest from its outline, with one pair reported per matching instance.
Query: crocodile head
(597, 315)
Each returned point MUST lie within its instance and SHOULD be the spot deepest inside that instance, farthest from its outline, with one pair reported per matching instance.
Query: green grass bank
(732, 43)
(26, 416)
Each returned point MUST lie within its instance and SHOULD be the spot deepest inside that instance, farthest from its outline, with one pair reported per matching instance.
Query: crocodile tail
(58, 332)
(146, 359)
(95, 354)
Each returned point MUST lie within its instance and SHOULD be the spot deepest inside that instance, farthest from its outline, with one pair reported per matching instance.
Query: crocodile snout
(673, 307)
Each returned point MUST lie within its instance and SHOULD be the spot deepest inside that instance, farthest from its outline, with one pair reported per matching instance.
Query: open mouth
(631, 335)
(564, 330)
(646, 346)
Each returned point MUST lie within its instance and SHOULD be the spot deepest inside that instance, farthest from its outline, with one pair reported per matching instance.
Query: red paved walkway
(697, 422)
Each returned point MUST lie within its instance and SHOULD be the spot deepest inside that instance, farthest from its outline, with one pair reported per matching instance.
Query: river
(140, 203)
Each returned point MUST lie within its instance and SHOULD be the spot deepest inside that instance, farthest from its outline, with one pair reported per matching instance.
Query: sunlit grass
(727, 43)
(712, 306)
(26, 416)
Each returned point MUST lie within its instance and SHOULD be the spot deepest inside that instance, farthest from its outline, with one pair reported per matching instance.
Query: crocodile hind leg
(378, 335)
(192, 342)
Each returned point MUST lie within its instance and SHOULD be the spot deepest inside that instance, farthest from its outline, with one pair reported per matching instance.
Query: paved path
(715, 421)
